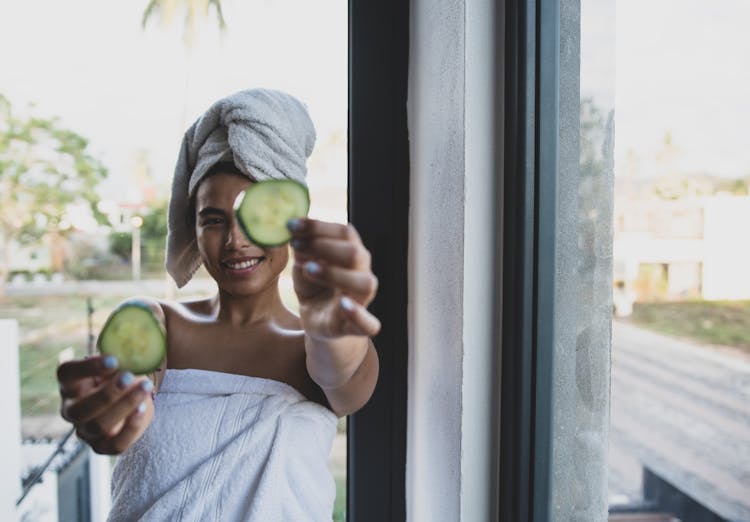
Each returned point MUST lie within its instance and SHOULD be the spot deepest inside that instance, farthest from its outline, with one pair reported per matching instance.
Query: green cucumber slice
(136, 337)
(265, 207)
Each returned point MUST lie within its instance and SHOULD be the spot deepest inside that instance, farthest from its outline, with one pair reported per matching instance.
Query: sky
(681, 67)
(128, 90)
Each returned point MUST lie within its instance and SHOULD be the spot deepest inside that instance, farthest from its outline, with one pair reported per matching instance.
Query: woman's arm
(334, 283)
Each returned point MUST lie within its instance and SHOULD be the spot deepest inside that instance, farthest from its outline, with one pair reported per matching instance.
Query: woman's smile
(240, 266)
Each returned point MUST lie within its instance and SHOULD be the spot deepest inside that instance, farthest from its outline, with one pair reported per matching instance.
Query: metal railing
(36, 477)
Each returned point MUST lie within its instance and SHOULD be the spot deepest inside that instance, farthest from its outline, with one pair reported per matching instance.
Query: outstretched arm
(335, 284)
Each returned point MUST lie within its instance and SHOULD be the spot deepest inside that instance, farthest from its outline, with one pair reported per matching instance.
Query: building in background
(683, 248)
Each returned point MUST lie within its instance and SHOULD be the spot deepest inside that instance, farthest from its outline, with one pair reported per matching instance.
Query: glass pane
(130, 92)
(680, 412)
(584, 243)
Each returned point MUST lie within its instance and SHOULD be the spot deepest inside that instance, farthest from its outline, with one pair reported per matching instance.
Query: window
(132, 92)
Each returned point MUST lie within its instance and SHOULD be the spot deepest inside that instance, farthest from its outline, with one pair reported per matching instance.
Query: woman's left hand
(333, 279)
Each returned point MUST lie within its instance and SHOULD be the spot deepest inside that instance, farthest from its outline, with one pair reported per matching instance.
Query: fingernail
(312, 268)
(141, 408)
(296, 243)
(125, 380)
(347, 304)
(294, 224)
(109, 362)
(147, 385)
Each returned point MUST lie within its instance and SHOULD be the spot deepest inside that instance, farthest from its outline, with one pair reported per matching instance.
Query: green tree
(44, 168)
(153, 239)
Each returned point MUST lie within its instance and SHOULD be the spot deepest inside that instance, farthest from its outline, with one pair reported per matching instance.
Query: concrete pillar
(451, 465)
(100, 473)
(10, 413)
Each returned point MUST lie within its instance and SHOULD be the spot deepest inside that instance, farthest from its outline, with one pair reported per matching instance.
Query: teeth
(243, 264)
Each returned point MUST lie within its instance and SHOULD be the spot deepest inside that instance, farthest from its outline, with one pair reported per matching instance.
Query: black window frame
(378, 206)
(527, 188)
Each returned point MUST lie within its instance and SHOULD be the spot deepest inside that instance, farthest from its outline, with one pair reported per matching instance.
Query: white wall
(726, 247)
(450, 455)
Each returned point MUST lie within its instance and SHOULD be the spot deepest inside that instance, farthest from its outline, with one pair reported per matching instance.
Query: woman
(239, 419)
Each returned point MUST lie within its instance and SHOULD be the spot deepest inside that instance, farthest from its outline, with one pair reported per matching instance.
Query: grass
(47, 326)
(712, 322)
(339, 507)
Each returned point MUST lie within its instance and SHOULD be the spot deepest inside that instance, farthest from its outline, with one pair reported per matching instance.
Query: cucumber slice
(135, 336)
(265, 207)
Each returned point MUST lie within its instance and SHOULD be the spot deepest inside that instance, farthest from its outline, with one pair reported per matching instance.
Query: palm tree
(194, 11)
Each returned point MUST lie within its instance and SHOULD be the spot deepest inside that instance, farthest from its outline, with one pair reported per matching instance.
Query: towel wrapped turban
(266, 134)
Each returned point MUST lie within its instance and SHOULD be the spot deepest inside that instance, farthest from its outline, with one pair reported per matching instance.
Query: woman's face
(238, 266)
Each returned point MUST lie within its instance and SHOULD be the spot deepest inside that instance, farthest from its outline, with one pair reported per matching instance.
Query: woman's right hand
(109, 409)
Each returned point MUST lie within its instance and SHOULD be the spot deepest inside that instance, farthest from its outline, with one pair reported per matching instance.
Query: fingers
(302, 228)
(333, 242)
(133, 426)
(332, 255)
(94, 404)
(81, 368)
(360, 285)
(71, 374)
(109, 421)
(358, 320)
(338, 252)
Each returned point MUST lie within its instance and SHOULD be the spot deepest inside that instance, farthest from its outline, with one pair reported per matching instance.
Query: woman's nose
(236, 237)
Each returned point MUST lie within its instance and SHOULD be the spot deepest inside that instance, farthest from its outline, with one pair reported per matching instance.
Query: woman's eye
(212, 221)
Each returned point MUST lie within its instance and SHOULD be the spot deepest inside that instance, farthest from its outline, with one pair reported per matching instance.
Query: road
(684, 410)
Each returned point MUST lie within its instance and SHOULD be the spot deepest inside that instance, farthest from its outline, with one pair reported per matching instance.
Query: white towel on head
(267, 134)
(228, 447)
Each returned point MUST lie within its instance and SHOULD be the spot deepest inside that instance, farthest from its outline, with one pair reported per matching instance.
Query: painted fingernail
(109, 362)
(294, 224)
(147, 385)
(141, 408)
(296, 243)
(347, 304)
(312, 268)
(125, 380)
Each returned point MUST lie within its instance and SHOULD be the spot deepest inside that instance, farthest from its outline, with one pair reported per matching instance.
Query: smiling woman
(132, 91)
(266, 386)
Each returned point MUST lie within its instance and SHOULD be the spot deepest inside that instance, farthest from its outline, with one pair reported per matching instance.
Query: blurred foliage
(192, 11)
(89, 261)
(153, 240)
(44, 168)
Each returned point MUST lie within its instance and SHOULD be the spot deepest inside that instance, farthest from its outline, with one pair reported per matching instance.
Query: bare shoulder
(198, 309)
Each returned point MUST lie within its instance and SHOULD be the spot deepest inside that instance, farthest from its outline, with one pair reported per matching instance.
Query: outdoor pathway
(684, 410)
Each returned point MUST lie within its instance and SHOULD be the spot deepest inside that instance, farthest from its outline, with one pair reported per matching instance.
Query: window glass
(129, 90)
(584, 261)
(680, 409)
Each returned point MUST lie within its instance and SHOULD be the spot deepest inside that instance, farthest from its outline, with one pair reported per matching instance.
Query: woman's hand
(333, 280)
(109, 409)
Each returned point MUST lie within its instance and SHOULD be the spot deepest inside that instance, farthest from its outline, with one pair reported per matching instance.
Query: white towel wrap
(227, 447)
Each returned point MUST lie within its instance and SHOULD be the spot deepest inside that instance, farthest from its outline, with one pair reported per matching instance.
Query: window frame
(528, 191)
(378, 206)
